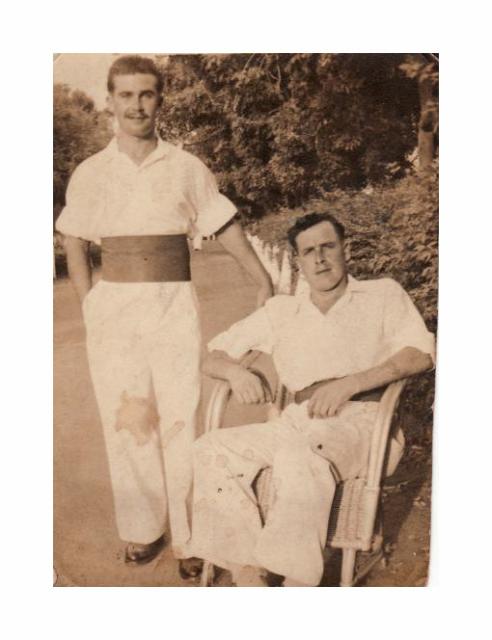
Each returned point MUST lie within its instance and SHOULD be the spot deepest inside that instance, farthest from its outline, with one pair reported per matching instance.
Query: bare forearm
(330, 397)
(218, 365)
(407, 362)
(248, 387)
(79, 268)
(235, 242)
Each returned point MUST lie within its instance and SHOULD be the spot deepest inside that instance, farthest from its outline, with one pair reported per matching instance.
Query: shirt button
(320, 446)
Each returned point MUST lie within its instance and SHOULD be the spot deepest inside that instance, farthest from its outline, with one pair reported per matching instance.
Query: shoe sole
(145, 559)
(141, 561)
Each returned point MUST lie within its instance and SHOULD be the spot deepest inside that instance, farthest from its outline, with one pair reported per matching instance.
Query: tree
(280, 128)
(423, 68)
(78, 132)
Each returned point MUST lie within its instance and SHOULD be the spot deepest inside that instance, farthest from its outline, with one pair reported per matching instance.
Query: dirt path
(88, 551)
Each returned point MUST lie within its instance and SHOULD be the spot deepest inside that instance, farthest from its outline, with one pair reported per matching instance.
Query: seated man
(334, 348)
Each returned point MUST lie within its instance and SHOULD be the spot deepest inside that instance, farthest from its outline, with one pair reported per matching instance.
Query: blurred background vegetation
(289, 133)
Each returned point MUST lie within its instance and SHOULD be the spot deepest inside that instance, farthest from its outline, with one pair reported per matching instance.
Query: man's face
(134, 102)
(321, 257)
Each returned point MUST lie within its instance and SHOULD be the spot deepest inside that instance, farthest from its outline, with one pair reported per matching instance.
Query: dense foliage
(78, 132)
(278, 129)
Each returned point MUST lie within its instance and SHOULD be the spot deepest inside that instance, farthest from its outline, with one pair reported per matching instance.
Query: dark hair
(308, 221)
(130, 65)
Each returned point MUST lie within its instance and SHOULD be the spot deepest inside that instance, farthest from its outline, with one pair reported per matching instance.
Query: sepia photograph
(245, 277)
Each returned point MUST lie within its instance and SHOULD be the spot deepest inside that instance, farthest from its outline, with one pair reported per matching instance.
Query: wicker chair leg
(365, 563)
(348, 564)
(207, 578)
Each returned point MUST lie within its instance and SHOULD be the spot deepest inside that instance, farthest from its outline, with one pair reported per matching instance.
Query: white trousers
(306, 456)
(143, 342)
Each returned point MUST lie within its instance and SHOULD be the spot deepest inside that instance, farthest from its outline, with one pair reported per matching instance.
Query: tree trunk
(427, 123)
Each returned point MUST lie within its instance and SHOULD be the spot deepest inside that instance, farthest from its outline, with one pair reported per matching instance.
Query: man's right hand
(248, 387)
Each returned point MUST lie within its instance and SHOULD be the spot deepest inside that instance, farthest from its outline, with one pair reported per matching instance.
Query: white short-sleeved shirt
(373, 320)
(171, 192)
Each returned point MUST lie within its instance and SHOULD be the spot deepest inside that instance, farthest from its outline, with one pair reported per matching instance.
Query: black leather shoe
(143, 553)
(190, 568)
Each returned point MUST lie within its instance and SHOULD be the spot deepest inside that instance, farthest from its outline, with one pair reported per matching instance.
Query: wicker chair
(355, 522)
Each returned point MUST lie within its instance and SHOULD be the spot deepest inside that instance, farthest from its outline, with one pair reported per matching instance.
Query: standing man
(141, 199)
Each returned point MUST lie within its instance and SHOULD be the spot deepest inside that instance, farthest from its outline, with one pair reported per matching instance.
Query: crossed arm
(329, 398)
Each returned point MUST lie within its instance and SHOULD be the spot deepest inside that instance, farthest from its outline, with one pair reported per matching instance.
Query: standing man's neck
(324, 300)
(136, 148)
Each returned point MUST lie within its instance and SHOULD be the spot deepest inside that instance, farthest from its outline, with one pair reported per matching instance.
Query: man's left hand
(329, 398)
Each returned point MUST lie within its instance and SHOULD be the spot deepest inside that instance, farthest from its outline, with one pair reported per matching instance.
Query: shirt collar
(161, 151)
(353, 286)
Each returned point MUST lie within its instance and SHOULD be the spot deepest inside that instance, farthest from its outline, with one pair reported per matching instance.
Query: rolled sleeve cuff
(424, 343)
(68, 224)
(215, 215)
(225, 343)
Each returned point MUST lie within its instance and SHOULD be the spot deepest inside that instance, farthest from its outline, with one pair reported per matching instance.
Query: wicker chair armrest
(220, 395)
(386, 409)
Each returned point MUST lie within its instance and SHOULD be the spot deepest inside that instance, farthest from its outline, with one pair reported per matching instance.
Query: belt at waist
(145, 259)
(374, 395)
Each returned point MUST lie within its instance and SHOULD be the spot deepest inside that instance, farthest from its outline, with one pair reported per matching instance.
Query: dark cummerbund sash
(145, 259)
(374, 395)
